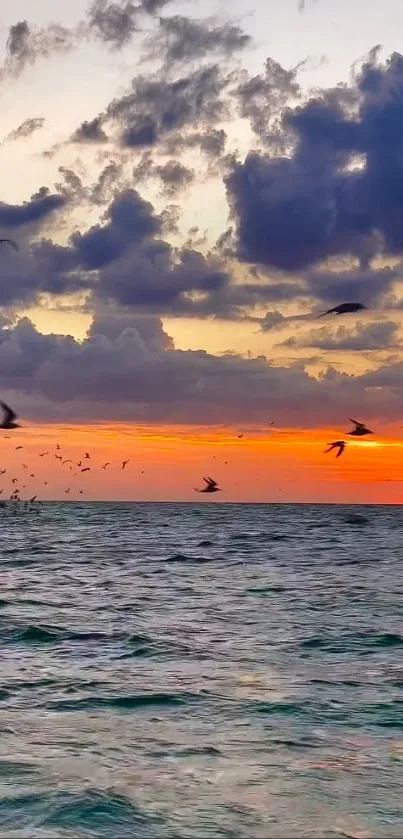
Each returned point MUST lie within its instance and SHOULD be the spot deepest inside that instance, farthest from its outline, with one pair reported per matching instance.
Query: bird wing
(9, 415)
(329, 312)
(358, 424)
(10, 242)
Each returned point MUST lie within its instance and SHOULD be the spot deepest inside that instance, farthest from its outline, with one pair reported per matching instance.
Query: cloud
(113, 23)
(364, 337)
(156, 107)
(39, 207)
(90, 132)
(337, 193)
(28, 127)
(25, 44)
(183, 39)
(127, 368)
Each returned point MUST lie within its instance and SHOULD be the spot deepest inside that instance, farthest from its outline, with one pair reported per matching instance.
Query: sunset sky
(190, 185)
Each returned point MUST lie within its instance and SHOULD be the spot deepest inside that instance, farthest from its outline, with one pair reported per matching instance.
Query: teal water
(207, 670)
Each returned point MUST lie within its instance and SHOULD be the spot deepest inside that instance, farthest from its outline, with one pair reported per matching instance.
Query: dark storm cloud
(183, 39)
(127, 368)
(339, 192)
(28, 127)
(369, 336)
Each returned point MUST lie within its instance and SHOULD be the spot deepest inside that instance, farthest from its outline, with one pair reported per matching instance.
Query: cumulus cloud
(25, 44)
(127, 368)
(337, 193)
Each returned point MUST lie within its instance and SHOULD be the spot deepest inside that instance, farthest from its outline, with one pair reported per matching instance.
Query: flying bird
(81, 492)
(66, 461)
(32, 475)
(58, 457)
(105, 465)
(240, 436)
(18, 447)
(86, 456)
(42, 454)
(344, 309)
(124, 464)
(57, 446)
(10, 242)
(79, 464)
(3, 471)
(86, 469)
(67, 491)
(211, 486)
(338, 444)
(8, 417)
(13, 480)
(360, 429)
(24, 466)
(31, 500)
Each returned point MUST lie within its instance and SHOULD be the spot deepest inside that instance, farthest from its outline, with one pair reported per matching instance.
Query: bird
(57, 446)
(18, 447)
(3, 471)
(86, 469)
(338, 444)
(9, 417)
(10, 242)
(32, 475)
(86, 456)
(58, 457)
(105, 465)
(211, 486)
(240, 436)
(79, 464)
(13, 480)
(81, 492)
(31, 500)
(125, 462)
(42, 454)
(24, 466)
(344, 309)
(45, 483)
(66, 461)
(67, 491)
(360, 429)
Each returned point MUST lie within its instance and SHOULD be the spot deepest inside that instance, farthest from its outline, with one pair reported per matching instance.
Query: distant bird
(7, 437)
(344, 309)
(8, 417)
(57, 446)
(58, 457)
(3, 471)
(338, 444)
(81, 492)
(360, 429)
(45, 483)
(31, 500)
(18, 447)
(32, 475)
(105, 465)
(1, 491)
(66, 461)
(79, 464)
(67, 491)
(212, 486)
(10, 242)
(86, 469)
(13, 480)
(240, 436)
(86, 456)
(24, 466)
(42, 454)
(124, 464)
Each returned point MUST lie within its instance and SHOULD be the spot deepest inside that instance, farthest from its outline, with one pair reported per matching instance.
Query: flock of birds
(9, 417)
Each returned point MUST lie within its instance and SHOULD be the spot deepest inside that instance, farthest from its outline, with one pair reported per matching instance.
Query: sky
(189, 189)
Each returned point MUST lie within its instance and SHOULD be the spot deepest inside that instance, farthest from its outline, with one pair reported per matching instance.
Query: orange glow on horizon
(168, 462)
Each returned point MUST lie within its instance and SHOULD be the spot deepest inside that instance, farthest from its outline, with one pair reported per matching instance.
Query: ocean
(201, 671)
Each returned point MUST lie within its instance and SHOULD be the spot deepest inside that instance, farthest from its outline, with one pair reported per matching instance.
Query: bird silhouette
(67, 491)
(360, 429)
(343, 309)
(58, 457)
(86, 456)
(24, 466)
(124, 464)
(338, 444)
(86, 469)
(42, 454)
(105, 465)
(66, 461)
(18, 447)
(10, 242)
(211, 486)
